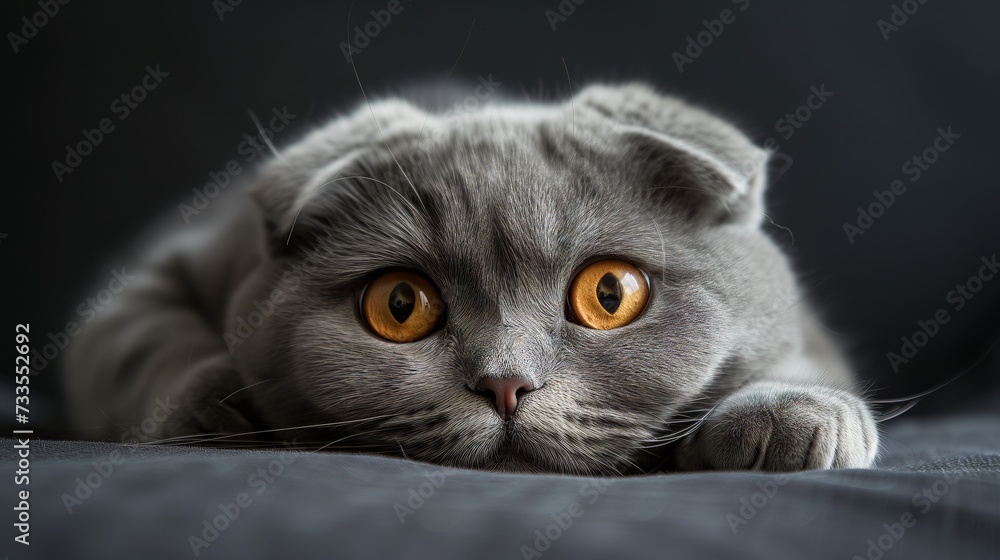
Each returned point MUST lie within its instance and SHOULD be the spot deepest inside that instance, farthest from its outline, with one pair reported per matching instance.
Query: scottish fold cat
(576, 287)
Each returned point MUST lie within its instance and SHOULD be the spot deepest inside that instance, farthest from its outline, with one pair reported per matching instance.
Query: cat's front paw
(209, 408)
(775, 426)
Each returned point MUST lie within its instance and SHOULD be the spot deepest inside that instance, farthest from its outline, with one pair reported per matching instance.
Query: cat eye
(401, 306)
(608, 294)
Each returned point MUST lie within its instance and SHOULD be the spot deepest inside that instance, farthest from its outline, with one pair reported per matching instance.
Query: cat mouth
(515, 451)
(508, 457)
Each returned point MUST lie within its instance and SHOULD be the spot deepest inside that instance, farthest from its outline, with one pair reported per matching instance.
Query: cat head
(440, 278)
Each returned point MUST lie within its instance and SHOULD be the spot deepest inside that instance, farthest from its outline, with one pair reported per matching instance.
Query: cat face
(494, 235)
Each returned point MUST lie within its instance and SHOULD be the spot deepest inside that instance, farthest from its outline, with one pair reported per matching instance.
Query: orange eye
(608, 294)
(401, 306)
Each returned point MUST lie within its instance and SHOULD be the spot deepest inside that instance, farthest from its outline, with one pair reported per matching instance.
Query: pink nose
(505, 393)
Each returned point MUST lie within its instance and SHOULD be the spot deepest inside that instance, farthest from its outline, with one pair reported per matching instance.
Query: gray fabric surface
(344, 506)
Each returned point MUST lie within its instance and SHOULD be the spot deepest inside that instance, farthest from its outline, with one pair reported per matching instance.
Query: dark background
(939, 69)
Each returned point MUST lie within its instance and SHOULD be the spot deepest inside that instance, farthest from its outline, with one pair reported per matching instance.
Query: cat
(580, 287)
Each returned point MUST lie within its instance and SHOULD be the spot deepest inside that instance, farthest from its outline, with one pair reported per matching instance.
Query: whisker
(113, 423)
(245, 388)
(663, 247)
(939, 385)
(896, 411)
(354, 67)
(727, 200)
(681, 434)
(572, 103)
(324, 425)
(267, 140)
(452, 69)
(340, 440)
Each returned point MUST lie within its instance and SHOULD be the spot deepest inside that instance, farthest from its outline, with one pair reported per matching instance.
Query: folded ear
(288, 182)
(687, 158)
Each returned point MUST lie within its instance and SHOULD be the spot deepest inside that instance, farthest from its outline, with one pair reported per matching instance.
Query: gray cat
(581, 287)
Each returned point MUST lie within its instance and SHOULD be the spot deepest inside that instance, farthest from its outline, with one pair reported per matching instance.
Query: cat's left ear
(684, 157)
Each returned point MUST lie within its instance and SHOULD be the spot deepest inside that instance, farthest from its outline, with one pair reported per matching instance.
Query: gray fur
(499, 208)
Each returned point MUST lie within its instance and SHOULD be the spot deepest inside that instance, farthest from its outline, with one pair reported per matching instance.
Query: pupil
(401, 302)
(609, 293)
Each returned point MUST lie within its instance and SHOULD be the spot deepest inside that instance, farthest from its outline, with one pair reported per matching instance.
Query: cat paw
(780, 427)
(209, 409)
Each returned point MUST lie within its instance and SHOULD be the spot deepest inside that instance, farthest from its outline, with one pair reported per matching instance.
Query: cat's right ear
(292, 179)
